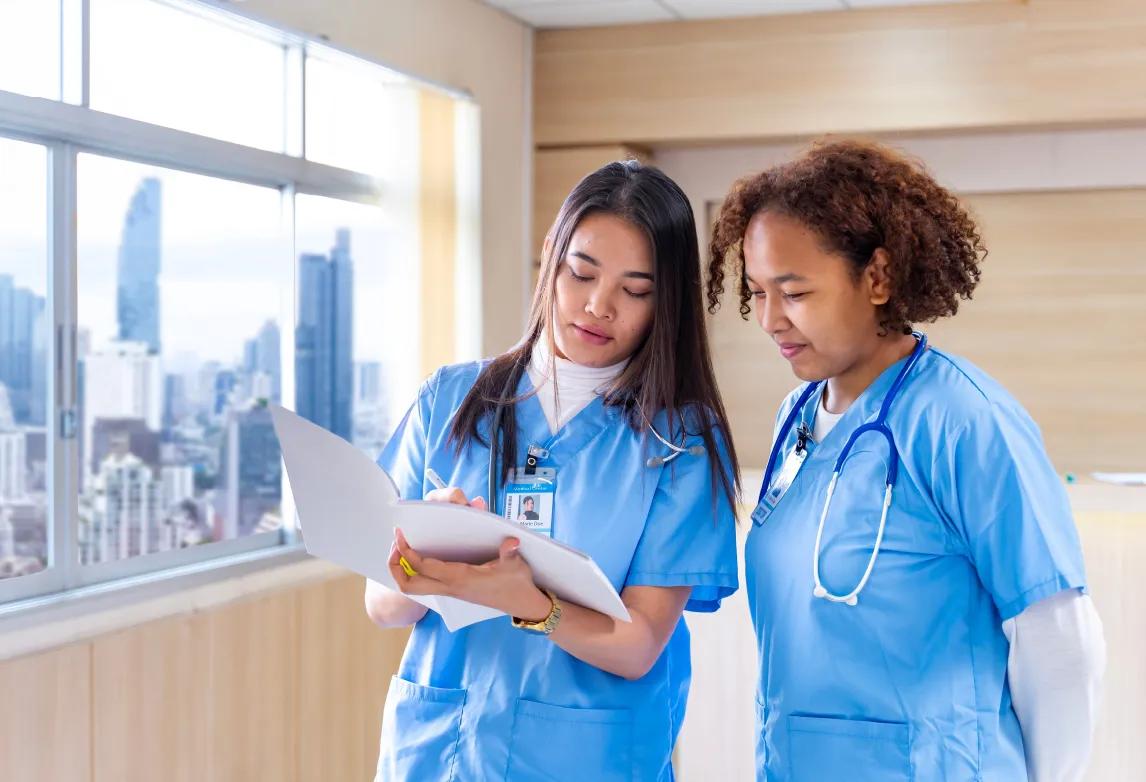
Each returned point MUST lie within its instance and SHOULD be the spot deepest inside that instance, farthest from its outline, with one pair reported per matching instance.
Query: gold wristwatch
(546, 625)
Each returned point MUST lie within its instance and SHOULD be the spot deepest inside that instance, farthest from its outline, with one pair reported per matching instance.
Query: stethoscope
(879, 425)
(536, 453)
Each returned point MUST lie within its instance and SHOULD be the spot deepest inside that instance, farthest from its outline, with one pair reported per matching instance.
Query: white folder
(348, 507)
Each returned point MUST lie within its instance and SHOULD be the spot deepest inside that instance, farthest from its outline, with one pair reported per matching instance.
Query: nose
(770, 315)
(600, 303)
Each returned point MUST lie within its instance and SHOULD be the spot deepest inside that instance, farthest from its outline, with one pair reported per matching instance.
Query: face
(605, 292)
(823, 319)
(528, 504)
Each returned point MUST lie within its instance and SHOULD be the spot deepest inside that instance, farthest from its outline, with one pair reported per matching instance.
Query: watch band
(549, 623)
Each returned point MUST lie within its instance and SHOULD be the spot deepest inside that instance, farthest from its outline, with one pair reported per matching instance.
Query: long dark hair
(672, 368)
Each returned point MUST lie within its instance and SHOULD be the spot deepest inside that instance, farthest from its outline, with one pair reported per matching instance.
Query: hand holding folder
(348, 507)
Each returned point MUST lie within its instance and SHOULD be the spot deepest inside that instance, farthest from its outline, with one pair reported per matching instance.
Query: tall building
(124, 380)
(324, 339)
(23, 351)
(261, 357)
(137, 296)
(124, 435)
(126, 515)
(251, 471)
(178, 484)
(13, 466)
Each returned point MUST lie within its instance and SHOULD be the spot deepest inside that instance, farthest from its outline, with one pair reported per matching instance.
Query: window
(185, 68)
(30, 48)
(24, 342)
(180, 246)
(182, 281)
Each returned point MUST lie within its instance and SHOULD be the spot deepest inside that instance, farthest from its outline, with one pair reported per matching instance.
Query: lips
(591, 335)
(791, 350)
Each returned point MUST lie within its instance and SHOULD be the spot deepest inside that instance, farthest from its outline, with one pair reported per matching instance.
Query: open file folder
(348, 507)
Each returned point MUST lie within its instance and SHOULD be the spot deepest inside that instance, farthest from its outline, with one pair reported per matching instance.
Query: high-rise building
(178, 484)
(124, 380)
(124, 435)
(324, 339)
(137, 296)
(261, 357)
(251, 470)
(23, 356)
(126, 515)
(13, 466)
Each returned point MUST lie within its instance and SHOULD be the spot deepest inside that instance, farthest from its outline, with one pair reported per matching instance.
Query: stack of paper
(349, 507)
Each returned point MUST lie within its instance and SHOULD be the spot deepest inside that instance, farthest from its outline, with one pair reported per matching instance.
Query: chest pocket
(910, 534)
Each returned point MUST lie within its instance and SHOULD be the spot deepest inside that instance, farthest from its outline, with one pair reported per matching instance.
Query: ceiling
(594, 13)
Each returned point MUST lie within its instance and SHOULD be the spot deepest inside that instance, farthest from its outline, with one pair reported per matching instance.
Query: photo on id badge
(529, 502)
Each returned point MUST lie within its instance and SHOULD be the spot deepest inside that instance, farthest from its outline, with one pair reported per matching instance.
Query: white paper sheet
(348, 507)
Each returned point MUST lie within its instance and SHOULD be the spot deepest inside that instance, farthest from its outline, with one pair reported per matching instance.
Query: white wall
(467, 46)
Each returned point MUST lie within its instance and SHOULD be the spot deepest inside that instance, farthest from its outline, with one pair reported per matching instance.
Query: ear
(877, 277)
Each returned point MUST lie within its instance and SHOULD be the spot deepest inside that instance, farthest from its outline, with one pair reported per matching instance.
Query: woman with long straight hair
(606, 417)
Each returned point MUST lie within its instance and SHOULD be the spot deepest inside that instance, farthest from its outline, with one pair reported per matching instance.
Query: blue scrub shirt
(492, 702)
(910, 684)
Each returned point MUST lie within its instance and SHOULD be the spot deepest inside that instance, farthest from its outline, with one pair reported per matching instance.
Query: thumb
(509, 549)
(478, 503)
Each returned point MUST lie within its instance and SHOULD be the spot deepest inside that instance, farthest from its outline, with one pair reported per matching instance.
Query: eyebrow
(591, 260)
(783, 278)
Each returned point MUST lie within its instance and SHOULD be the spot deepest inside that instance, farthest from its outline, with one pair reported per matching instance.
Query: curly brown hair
(859, 196)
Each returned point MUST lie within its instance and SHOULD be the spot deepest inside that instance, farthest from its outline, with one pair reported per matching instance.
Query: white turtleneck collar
(576, 385)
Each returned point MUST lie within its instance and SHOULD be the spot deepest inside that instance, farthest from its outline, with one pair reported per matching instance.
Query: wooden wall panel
(1042, 62)
(151, 688)
(253, 679)
(46, 716)
(345, 664)
(1059, 319)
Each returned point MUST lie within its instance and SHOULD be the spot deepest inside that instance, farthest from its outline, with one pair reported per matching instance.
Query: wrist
(536, 608)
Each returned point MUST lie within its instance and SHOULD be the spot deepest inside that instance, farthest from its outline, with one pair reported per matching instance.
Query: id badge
(792, 464)
(529, 499)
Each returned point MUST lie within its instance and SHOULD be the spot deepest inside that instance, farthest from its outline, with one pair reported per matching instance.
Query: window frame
(69, 127)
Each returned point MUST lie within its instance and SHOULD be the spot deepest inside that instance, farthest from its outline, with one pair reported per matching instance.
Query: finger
(509, 549)
(453, 496)
(435, 569)
(479, 503)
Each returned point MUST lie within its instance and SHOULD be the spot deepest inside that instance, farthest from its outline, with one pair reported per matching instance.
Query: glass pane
(359, 116)
(189, 70)
(182, 281)
(356, 336)
(30, 47)
(24, 342)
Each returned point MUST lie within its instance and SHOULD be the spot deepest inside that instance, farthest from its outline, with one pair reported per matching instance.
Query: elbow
(638, 667)
(388, 609)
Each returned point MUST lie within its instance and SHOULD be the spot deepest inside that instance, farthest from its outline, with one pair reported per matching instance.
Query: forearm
(1055, 673)
(626, 649)
(387, 608)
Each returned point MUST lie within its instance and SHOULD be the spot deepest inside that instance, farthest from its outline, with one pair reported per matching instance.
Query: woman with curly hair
(915, 577)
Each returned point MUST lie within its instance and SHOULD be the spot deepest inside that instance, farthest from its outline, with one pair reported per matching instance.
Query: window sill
(50, 621)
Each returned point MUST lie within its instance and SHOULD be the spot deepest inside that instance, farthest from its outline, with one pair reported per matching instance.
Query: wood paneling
(345, 664)
(151, 688)
(1059, 319)
(46, 716)
(1043, 62)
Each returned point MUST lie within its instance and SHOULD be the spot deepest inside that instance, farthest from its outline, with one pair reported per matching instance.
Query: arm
(1055, 671)
(626, 649)
(387, 608)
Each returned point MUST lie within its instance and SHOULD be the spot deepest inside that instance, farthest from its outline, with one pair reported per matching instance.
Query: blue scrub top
(910, 684)
(493, 702)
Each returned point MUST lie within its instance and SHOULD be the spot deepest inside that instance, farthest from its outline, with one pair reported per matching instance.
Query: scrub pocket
(559, 744)
(827, 749)
(420, 730)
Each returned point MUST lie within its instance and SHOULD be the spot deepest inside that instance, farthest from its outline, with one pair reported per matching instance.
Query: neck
(846, 387)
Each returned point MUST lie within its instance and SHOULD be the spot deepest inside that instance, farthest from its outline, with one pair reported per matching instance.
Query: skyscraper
(23, 345)
(252, 470)
(261, 356)
(324, 338)
(126, 514)
(13, 466)
(122, 381)
(137, 300)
